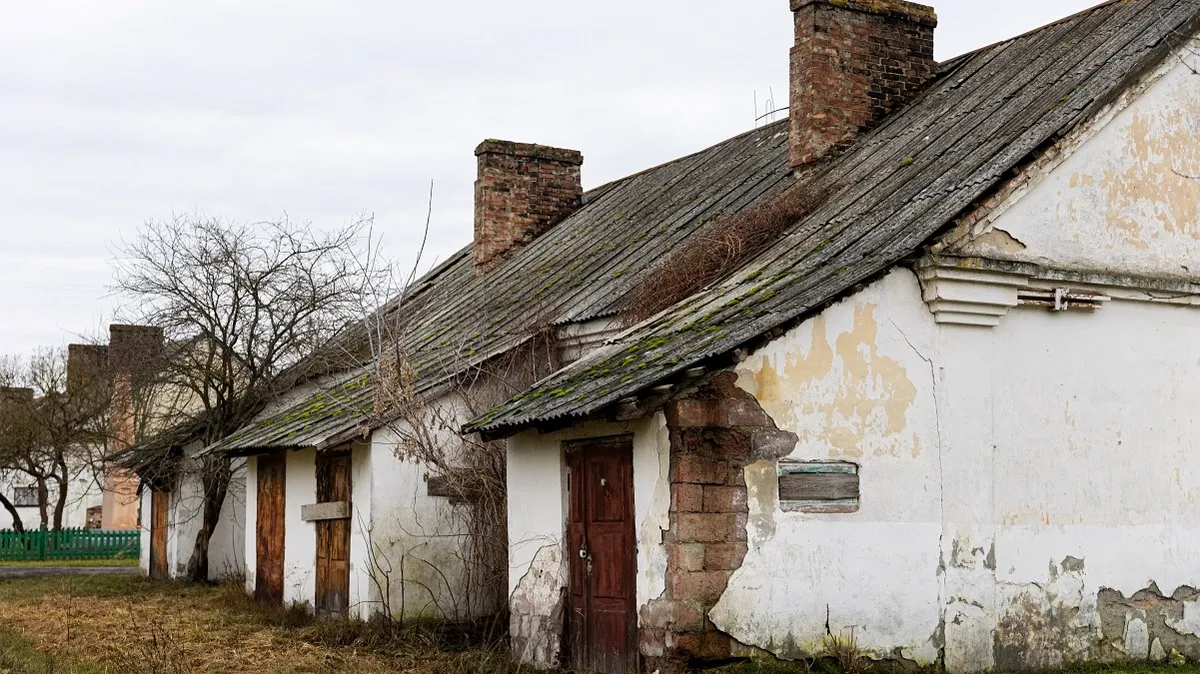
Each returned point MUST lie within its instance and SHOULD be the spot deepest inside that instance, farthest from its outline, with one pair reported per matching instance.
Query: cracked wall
(854, 384)
(1028, 492)
(1128, 198)
(537, 515)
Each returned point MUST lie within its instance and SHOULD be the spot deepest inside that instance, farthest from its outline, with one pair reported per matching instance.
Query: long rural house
(915, 367)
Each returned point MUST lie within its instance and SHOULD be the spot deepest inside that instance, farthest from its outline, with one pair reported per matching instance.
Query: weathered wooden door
(333, 535)
(158, 534)
(268, 578)
(602, 621)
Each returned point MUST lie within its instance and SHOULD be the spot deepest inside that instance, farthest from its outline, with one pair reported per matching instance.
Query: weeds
(717, 250)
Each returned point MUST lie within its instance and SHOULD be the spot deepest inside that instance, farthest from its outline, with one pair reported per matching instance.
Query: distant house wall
(83, 493)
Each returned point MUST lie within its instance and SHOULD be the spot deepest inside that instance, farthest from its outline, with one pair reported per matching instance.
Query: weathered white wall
(1130, 192)
(421, 543)
(185, 517)
(1008, 474)
(537, 514)
(250, 540)
(853, 385)
(300, 537)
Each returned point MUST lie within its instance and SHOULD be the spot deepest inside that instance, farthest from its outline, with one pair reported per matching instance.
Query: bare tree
(50, 428)
(242, 306)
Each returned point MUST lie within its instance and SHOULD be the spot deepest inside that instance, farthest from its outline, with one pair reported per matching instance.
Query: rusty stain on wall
(844, 388)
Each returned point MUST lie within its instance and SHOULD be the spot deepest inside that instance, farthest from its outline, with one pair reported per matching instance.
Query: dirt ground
(131, 625)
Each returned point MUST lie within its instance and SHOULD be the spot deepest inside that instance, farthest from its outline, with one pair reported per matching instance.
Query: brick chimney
(854, 62)
(133, 349)
(521, 191)
(87, 366)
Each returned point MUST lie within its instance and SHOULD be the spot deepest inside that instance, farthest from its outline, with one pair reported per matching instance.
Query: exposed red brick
(853, 62)
(521, 191)
(699, 469)
(686, 556)
(704, 527)
(724, 556)
(701, 587)
(687, 497)
(723, 499)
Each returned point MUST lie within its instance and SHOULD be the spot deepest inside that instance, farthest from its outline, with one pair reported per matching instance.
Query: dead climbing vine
(718, 249)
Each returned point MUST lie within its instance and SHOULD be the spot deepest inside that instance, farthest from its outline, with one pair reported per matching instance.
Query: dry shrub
(843, 648)
(719, 249)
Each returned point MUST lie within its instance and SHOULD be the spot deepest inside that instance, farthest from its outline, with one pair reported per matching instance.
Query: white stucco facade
(83, 493)
(537, 514)
(1020, 409)
(408, 549)
(185, 517)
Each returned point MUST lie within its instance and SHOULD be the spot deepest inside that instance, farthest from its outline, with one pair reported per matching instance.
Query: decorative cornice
(968, 296)
(978, 291)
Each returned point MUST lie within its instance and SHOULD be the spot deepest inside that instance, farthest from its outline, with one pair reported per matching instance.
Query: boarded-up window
(818, 486)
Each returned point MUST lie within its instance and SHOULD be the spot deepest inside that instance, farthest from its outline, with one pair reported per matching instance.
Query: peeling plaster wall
(1028, 492)
(1130, 192)
(300, 537)
(537, 514)
(185, 506)
(853, 385)
(421, 539)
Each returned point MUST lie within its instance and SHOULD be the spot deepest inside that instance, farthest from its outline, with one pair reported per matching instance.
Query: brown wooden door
(602, 621)
(333, 535)
(268, 578)
(158, 534)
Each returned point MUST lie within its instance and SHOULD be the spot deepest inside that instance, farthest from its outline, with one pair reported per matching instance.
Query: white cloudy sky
(115, 112)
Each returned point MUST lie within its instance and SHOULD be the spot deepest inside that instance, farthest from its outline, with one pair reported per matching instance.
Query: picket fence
(68, 544)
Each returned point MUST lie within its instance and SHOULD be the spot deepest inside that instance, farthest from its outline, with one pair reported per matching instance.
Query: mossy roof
(986, 115)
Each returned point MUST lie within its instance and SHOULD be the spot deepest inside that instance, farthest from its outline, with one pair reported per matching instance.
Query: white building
(949, 412)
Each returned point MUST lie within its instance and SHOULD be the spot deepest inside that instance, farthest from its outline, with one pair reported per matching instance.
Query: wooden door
(158, 534)
(333, 535)
(602, 620)
(268, 577)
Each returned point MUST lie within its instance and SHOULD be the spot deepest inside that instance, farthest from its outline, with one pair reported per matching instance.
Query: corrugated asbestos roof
(579, 270)
(893, 190)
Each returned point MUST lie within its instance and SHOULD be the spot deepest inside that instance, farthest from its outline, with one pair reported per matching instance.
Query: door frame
(260, 590)
(574, 451)
(159, 529)
(324, 461)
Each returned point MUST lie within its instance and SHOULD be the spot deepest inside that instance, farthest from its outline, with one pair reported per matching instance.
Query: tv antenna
(769, 107)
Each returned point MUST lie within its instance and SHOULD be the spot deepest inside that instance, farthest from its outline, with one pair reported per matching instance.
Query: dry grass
(717, 250)
(130, 625)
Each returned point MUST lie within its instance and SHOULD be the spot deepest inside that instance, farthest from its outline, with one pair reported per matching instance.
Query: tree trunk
(60, 504)
(43, 494)
(17, 524)
(215, 479)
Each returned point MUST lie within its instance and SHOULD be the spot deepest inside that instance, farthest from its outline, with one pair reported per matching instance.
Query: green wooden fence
(68, 544)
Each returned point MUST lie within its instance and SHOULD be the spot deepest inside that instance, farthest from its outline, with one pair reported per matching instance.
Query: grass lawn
(133, 625)
(74, 563)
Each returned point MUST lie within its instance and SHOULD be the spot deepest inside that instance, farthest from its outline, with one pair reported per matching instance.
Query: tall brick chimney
(521, 191)
(854, 62)
(133, 353)
(87, 367)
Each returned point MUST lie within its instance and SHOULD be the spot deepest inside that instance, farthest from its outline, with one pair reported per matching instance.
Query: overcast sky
(116, 112)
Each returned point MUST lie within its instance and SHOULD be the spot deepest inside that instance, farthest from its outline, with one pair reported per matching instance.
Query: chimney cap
(533, 151)
(911, 11)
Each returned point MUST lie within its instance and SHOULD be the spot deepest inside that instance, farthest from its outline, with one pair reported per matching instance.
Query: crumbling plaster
(1010, 476)
(1128, 181)
(537, 515)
